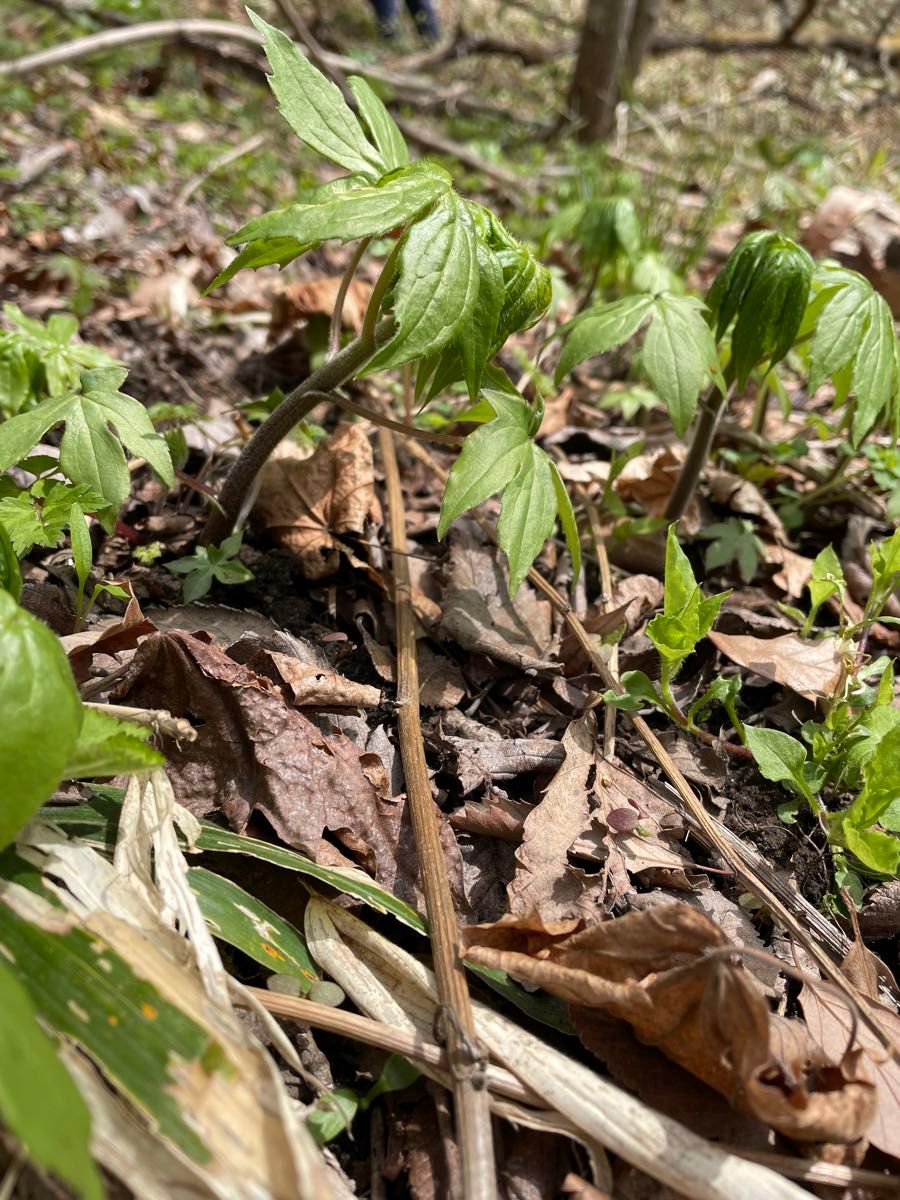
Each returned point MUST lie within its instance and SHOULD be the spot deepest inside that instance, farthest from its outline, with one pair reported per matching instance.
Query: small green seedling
(209, 563)
(333, 1113)
(686, 619)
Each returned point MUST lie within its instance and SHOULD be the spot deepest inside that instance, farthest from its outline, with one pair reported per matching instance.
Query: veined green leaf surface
(527, 513)
(387, 137)
(438, 284)
(490, 458)
(39, 1103)
(600, 329)
(345, 216)
(314, 107)
(679, 355)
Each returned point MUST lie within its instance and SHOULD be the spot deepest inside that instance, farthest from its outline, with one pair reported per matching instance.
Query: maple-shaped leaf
(100, 423)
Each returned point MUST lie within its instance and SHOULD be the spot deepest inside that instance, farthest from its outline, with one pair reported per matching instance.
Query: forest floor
(116, 192)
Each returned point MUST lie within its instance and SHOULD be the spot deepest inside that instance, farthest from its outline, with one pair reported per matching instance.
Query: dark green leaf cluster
(462, 283)
(764, 285)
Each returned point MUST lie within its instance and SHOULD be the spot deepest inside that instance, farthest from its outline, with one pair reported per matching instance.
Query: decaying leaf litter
(289, 684)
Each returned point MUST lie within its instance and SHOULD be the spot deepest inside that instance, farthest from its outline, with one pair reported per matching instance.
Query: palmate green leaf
(18, 367)
(39, 516)
(438, 284)
(842, 318)
(387, 137)
(90, 453)
(345, 216)
(39, 1103)
(528, 289)
(58, 357)
(106, 746)
(600, 329)
(679, 355)
(241, 920)
(40, 714)
(314, 107)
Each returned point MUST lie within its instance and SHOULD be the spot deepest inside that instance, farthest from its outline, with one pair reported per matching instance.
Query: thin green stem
(367, 333)
(334, 332)
(761, 408)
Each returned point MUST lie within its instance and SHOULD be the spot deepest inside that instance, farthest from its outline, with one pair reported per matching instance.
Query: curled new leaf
(764, 285)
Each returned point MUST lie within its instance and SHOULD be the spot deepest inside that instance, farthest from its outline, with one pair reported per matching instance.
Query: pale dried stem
(467, 1059)
(160, 720)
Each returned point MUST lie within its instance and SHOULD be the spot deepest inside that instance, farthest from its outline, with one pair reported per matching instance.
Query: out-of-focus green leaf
(39, 1103)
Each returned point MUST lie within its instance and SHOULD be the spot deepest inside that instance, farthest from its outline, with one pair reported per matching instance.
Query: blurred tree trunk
(614, 36)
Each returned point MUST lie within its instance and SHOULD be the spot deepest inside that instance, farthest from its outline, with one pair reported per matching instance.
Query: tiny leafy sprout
(764, 289)
(209, 563)
(734, 541)
(678, 355)
(687, 616)
(333, 1113)
(40, 515)
(826, 580)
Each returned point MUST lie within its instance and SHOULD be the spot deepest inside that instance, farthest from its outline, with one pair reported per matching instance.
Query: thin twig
(375, 1033)
(606, 605)
(295, 406)
(467, 1058)
(232, 155)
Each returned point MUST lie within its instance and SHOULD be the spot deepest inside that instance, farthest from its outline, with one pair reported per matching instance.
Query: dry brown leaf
(303, 500)
(121, 633)
(441, 684)
(297, 302)
(654, 969)
(254, 754)
(810, 669)
(831, 1024)
(862, 230)
(544, 879)
(649, 481)
(794, 572)
(479, 614)
(742, 496)
(310, 686)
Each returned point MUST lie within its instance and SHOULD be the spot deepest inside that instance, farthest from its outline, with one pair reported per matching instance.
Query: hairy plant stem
(711, 407)
(295, 406)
